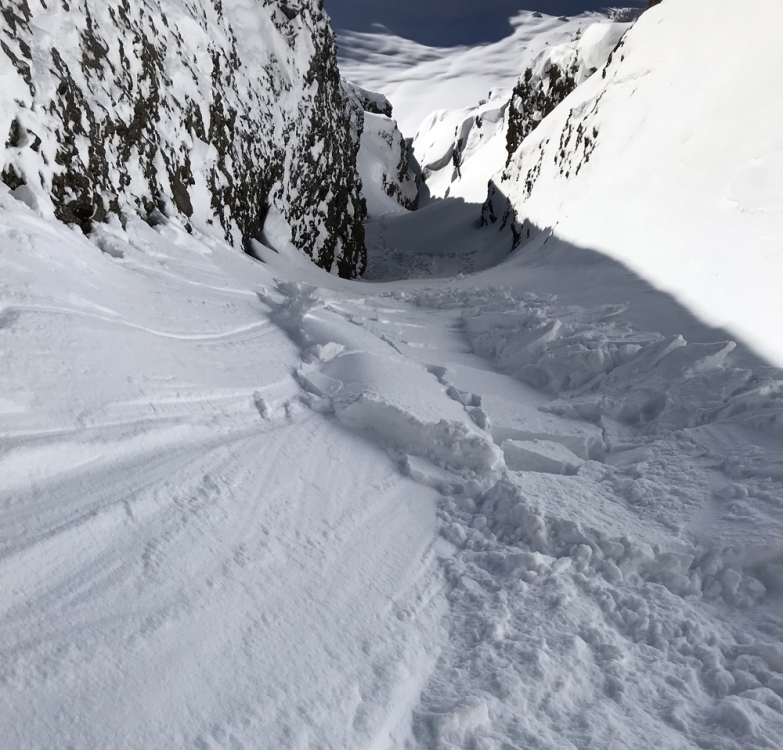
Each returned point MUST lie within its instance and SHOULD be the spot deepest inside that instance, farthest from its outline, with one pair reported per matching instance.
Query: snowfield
(252, 505)
(483, 499)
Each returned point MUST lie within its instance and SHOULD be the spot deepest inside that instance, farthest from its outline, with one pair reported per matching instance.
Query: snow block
(542, 456)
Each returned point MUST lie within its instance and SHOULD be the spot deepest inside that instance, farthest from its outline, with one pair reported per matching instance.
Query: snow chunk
(540, 455)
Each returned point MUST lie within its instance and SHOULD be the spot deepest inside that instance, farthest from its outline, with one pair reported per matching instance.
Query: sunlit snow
(484, 499)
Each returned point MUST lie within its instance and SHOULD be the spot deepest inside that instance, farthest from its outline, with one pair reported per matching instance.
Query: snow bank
(670, 160)
(216, 110)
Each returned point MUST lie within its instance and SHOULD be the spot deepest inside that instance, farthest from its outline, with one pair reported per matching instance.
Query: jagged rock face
(368, 101)
(534, 98)
(214, 109)
(384, 164)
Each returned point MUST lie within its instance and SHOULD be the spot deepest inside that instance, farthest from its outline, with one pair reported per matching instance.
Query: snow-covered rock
(219, 110)
(369, 101)
(461, 150)
(670, 160)
(388, 181)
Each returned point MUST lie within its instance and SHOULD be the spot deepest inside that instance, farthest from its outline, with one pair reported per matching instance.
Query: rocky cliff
(214, 110)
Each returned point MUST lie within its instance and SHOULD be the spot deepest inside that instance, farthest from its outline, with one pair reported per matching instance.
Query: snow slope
(619, 586)
(254, 505)
(487, 500)
(191, 555)
(671, 161)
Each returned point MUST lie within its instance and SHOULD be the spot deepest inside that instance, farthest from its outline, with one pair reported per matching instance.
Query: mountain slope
(460, 150)
(671, 161)
(220, 110)
(418, 79)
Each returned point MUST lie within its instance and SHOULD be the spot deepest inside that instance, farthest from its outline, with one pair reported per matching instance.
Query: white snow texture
(484, 499)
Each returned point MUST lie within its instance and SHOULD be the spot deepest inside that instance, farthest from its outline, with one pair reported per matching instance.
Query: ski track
(432, 514)
(11, 313)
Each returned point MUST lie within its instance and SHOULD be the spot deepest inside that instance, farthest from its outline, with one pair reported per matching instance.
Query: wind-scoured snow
(190, 554)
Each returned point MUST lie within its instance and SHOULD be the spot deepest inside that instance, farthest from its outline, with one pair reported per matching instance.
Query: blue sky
(449, 22)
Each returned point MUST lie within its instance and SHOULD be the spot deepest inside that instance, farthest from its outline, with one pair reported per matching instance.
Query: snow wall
(221, 111)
